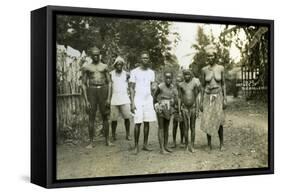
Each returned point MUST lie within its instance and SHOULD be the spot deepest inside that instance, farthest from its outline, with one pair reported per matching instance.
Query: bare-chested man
(188, 92)
(96, 84)
(213, 100)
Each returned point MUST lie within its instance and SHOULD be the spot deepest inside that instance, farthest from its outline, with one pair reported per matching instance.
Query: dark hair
(94, 50)
(168, 71)
(144, 53)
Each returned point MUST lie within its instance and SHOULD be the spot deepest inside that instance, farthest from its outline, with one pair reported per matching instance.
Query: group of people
(118, 93)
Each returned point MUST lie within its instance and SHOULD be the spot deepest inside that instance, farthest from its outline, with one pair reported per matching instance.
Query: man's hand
(133, 108)
(201, 107)
(180, 115)
(224, 103)
(107, 103)
(88, 105)
(197, 112)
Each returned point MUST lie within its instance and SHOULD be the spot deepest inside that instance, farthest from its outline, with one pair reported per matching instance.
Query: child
(164, 98)
(177, 120)
(188, 92)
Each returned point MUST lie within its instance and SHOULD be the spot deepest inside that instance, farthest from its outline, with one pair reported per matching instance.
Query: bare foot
(145, 148)
(168, 150)
(109, 143)
(182, 145)
(90, 146)
(128, 138)
(164, 152)
(209, 149)
(191, 149)
(174, 145)
(222, 148)
(136, 150)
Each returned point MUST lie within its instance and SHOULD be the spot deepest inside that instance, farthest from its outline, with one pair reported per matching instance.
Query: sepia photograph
(147, 96)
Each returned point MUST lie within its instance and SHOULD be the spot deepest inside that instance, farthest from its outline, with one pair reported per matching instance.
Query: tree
(222, 46)
(125, 37)
(254, 54)
(200, 57)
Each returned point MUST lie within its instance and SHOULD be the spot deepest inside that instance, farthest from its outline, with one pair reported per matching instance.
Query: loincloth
(164, 109)
(213, 114)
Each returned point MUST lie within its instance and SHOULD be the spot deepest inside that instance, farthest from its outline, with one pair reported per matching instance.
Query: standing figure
(141, 79)
(213, 101)
(188, 92)
(120, 100)
(164, 98)
(177, 119)
(96, 84)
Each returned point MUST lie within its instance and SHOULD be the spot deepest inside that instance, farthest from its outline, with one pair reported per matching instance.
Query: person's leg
(186, 128)
(91, 126)
(181, 126)
(106, 130)
(127, 127)
(146, 134)
(209, 139)
(221, 138)
(113, 129)
(105, 112)
(175, 128)
(192, 130)
(186, 139)
(166, 135)
(136, 136)
(114, 113)
(126, 113)
(161, 134)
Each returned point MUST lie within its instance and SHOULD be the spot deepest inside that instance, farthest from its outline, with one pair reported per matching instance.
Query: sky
(187, 32)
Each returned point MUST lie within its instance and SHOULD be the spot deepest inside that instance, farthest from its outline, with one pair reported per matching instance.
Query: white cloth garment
(143, 99)
(120, 94)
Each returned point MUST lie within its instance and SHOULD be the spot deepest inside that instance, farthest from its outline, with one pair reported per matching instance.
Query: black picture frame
(43, 97)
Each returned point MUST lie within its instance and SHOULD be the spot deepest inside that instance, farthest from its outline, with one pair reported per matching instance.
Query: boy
(177, 120)
(164, 98)
(188, 92)
(120, 100)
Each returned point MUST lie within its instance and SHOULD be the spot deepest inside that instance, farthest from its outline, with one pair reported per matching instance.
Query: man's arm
(108, 80)
(132, 86)
(110, 88)
(155, 95)
(179, 97)
(84, 87)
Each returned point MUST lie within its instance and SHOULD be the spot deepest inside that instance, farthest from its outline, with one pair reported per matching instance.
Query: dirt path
(245, 142)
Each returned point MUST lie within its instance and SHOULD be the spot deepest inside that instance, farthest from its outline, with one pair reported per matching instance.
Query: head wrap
(119, 60)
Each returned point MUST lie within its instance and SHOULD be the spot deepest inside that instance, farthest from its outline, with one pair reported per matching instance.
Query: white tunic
(120, 94)
(143, 80)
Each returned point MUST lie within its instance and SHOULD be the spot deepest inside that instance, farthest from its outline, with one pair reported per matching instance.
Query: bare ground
(245, 133)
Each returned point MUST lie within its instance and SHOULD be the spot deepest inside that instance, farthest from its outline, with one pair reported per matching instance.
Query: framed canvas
(126, 96)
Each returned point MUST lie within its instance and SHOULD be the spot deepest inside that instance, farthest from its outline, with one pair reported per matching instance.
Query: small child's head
(179, 78)
(119, 63)
(187, 74)
(168, 77)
